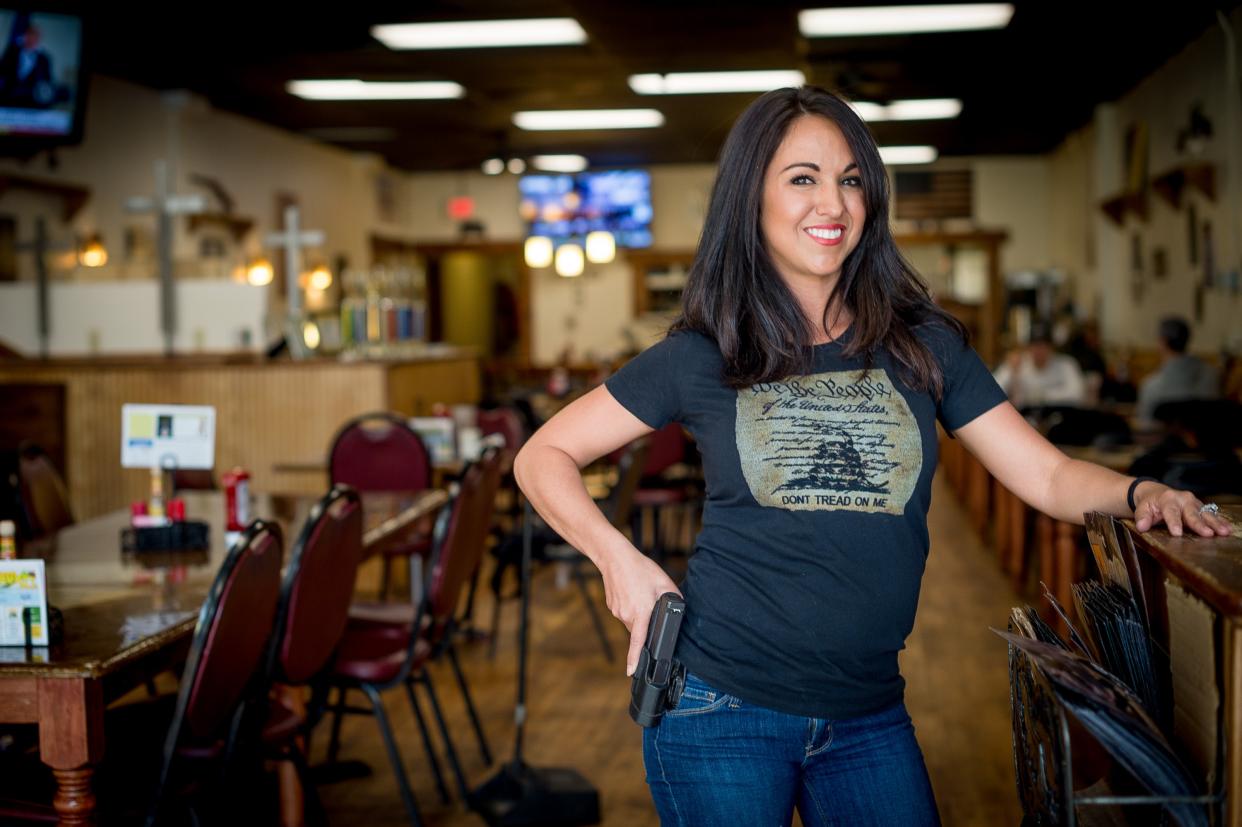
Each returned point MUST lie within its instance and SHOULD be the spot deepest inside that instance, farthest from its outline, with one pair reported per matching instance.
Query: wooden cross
(166, 205)
(293, 239)
(40, 245)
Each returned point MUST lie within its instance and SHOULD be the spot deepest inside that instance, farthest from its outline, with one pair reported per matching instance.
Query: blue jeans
(716, 761)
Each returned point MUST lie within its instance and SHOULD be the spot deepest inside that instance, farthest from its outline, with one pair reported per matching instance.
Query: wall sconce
(310, 335)
(601, 247)
(318, 279)
(260, 272)
(537, 251)
(93, 253)
(570, 262)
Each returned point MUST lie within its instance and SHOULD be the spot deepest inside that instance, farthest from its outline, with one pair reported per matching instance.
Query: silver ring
(1209, 508)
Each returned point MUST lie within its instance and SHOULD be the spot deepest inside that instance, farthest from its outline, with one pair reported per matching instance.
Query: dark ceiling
(1023, 88)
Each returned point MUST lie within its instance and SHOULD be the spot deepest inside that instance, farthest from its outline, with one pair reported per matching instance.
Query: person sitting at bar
(1180, 377)
(1038, 375)
(1084, 346)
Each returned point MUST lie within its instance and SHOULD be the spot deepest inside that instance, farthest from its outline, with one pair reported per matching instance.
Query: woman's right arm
(548, 469)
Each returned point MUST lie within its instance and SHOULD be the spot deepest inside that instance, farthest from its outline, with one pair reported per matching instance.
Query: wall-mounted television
(564, 207)
(42, 78)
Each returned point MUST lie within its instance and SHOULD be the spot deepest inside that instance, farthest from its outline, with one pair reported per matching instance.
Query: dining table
(119, 618)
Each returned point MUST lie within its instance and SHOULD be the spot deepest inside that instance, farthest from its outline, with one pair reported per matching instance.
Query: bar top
(1210, 567)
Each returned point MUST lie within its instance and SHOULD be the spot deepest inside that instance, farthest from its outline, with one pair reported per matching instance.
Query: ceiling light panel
(362, 90)
(702, 83)
(559, 163)
(928, 109)
(481, 34)
(893, 155)
(587, 119)
(877, 20)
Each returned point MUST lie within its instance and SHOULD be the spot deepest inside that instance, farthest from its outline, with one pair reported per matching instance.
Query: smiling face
(813, 211)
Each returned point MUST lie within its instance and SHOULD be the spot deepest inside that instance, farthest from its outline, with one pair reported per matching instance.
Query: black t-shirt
(805, 577)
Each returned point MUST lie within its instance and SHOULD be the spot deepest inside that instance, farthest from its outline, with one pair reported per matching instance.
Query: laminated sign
(23, 603)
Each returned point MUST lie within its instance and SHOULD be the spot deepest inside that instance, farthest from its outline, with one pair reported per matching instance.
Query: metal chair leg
(425, 679)
(338, 712)
(385, 577)
(590, 605)
(312, 806)
(465, 694)
(441, 787)
(394, 756)
(495, 630)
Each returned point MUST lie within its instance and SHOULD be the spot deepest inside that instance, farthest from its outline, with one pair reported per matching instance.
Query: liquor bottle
(8, 540)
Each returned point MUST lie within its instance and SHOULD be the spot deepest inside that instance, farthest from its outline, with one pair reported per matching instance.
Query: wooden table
(124, 623)
(1211, 570)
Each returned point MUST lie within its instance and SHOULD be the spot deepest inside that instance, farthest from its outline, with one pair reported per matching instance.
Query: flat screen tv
(42, 78)
(566, 207)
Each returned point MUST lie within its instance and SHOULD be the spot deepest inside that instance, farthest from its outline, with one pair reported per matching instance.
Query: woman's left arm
(1043, 477)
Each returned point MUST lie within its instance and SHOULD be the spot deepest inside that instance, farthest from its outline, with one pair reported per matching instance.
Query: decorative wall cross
(165, 204)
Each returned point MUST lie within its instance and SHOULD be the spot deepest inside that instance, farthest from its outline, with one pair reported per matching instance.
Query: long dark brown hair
(735, 296)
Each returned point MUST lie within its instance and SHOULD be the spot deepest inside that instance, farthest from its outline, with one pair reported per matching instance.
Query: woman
(811, 366)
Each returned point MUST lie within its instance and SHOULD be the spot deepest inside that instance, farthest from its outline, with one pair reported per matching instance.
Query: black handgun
(659, 677)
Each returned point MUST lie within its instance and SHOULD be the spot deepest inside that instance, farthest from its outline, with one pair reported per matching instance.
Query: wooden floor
(957, 694)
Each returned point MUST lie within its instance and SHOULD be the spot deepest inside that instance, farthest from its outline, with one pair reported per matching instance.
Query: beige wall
(1162, 102)
(129, 127)
(1013, 194)
(1048, 205)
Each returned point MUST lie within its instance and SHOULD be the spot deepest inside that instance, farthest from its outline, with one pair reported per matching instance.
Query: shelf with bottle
(383, 311)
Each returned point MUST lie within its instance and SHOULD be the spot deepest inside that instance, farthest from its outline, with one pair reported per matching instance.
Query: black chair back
(226, 654)
(317, 588)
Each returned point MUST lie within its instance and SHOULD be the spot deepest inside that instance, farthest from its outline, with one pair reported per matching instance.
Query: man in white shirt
(1038, 375)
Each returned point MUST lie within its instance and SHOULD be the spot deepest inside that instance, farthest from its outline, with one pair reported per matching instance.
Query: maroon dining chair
(507, 423)
(391, 645)
(315, 595)
(44, 497)
(225, 659)
(380, 452)
(656, 494)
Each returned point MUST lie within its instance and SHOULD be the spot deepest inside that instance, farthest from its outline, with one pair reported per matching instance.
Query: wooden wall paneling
(34, 411)
(266, 414)
(414, 388)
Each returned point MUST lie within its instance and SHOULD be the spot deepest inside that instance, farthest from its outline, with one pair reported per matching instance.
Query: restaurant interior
(283, 292)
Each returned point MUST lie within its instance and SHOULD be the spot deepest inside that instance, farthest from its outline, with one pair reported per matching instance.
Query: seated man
(1038, 375)
(1180, 376)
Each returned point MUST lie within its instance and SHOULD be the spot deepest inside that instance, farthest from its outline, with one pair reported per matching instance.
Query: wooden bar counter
(1194, 588)
(266, 410)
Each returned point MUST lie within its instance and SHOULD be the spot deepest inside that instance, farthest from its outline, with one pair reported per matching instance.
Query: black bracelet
(1134, 485)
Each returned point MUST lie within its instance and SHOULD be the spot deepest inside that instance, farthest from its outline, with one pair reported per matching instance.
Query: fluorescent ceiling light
(929, 109)
(559, 163)
(480, 34)
(697, 83)
(891, 155)
(903, 19)
(573, 119)
(363, 90)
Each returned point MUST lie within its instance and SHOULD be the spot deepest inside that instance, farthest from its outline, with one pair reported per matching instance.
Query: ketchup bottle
(236, 499)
